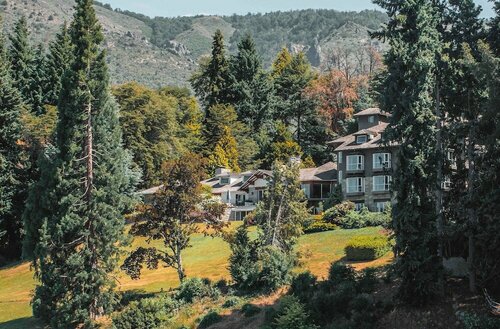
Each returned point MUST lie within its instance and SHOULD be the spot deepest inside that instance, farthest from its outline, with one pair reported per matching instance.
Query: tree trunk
(471, 212)
(438, 186)
(180, 268)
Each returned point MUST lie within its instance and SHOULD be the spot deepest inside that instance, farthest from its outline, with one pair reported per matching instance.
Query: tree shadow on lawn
(22, 323)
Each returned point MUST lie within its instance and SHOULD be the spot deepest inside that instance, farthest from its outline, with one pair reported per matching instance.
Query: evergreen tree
(12, 185)
(280, 215)
(283, 60)
(21, 59)
(243, 260)
(212, 83)
(39, 85)
(494, 32)
(74, 218)
(58, 61)
(409, 94)
(281, 148)
(251, 88)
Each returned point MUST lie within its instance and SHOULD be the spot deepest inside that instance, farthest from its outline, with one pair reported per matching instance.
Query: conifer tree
(12, 185)
(283, 60)
(251, 88)
(74, 218)
(21, 58)
(39, 85)
(494, 32)
(58, 61)
(409, 94)
(212, 83)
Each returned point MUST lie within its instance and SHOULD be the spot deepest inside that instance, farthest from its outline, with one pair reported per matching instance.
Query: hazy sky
(227, 7)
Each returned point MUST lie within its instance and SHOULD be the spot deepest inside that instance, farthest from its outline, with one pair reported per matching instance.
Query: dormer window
(361, 139)
(224, 180)
(371, 119)
(245, 178)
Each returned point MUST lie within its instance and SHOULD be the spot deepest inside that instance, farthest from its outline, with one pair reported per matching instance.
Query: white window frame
(358, 188)
(358, 165)
(365, 137)
(358, 206)
(446, 184)
(224, 178)
(339, 158)
(381, 205)
(386, 185)
(386, 160)
(340, 176)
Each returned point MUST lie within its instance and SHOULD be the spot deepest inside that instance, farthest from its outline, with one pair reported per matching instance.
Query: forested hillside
(166, 51)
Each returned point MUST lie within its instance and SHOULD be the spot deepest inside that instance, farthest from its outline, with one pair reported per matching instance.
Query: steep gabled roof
(348, 142)
(372, 111)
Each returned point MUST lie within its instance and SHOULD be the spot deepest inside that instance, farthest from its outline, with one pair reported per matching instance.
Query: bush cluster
(345, 216)
(250, 310)
(342, 301)
(209, 319)
(195, 288)
(146, 313)
(367, 247)
(319, 226)
(475, 321)
(255, 268)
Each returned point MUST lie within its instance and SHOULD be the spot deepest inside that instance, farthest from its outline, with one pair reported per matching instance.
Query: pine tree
(39, 85)
(251, 88)
(74, 219)
(212, 83)
(12, 185)
(283, 60)
(21, 59)
(409, 94)
(494, 32)
(281, 148)
(58, 61)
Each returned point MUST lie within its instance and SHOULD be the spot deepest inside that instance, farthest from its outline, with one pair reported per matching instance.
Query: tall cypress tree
(21, 59)
(76, 220)
(11, 182)
(39, 86)
(409, 94)
(58, 61)
(212, 83)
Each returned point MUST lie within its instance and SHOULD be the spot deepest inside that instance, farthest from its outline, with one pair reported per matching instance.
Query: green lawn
(207, 258)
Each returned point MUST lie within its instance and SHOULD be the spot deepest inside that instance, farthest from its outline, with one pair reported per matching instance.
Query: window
(245, 178)
(446, 185)
(381, 205)
(381, 183)
(339, 158)
(224, 180)
(359, 206)
(361, 139)
(355, 185)
(260, 195)
(355, 162)
(340, 176)
(371, 119)
(451, 157)
(381, 160)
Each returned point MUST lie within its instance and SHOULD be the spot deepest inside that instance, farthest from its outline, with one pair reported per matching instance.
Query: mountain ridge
(165, 51)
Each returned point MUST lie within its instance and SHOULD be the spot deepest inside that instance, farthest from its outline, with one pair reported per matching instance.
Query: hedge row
(367, 247)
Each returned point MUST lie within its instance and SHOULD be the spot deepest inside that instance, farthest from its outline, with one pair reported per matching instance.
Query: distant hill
(165, 51)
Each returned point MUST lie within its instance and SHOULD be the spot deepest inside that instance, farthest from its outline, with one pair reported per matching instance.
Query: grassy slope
(206, 258)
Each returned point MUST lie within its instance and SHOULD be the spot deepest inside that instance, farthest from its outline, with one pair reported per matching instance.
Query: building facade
(365, 165)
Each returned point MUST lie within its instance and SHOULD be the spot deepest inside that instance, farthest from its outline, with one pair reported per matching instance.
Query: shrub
(292, 315)
(474, 321)
(337, 212)
(316, 227)
(367, 247)
(250, 310)
(231, 301)
(243, 260)
(303, 286)
(209, 319)
(275, 268)
(195, 288)
(366, 281)
(146, 313)
(340, 272)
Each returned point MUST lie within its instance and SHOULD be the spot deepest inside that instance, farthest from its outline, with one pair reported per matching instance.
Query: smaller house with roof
(365, 164)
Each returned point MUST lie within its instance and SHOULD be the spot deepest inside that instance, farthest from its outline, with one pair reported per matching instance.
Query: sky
(172, 8)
